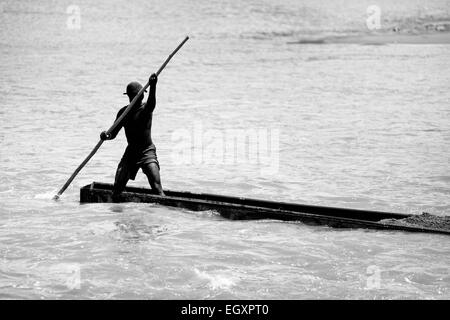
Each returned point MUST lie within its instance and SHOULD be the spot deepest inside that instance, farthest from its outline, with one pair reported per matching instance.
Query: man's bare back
(138, 126)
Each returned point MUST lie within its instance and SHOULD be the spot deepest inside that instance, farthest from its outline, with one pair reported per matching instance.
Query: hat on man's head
(133, 88)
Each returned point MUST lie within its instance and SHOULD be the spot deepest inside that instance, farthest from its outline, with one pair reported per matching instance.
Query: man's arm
(116, 130)
(151, 100)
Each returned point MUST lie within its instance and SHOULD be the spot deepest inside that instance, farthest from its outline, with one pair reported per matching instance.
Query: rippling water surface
(358, 126)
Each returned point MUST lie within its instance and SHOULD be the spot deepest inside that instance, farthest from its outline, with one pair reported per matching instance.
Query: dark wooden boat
(245, 208)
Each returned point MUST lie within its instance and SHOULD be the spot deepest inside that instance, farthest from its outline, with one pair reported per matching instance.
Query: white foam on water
(46, 195)
(217, 281)
(68, 274)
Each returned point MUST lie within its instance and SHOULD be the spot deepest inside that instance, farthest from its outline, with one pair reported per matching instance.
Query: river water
(350, 125)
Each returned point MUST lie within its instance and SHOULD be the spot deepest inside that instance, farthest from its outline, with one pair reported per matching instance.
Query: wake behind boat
(250, 209)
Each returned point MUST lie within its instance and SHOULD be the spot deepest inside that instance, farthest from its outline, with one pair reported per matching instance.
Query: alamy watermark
(250, 146)
(73, 21)
(373, 21)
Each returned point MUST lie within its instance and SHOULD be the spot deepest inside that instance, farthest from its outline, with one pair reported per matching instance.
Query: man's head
(133, 89)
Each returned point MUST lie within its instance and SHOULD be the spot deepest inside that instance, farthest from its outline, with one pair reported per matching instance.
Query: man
(140, 152)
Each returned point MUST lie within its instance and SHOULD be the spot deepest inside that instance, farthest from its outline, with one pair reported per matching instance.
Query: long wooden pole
(116, 123)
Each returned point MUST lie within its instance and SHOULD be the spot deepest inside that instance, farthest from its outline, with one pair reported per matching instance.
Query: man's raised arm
(151, 100)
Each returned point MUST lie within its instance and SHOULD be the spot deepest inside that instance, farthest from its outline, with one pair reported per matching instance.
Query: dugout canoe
(238, 208)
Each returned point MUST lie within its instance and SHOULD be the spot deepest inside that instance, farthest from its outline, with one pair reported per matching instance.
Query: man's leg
(120, 181)
(151, 170)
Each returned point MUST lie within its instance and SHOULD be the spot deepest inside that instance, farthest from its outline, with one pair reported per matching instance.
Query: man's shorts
(133, 159)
